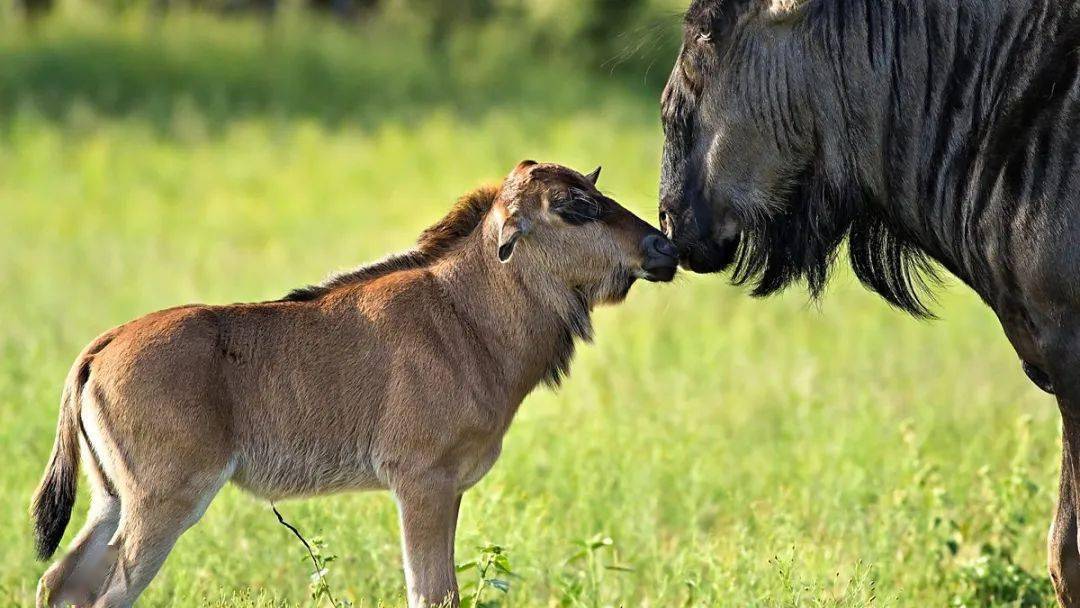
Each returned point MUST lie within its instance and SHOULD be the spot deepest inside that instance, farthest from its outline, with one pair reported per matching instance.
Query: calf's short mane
(435, 242)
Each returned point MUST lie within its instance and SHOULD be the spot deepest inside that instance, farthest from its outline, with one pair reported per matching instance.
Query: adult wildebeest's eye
(704, 38)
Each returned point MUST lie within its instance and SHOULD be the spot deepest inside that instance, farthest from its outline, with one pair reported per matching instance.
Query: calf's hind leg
(77, 577)
(427, 508)
(150, 525)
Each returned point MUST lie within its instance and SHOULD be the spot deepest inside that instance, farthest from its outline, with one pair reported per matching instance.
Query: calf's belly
(276, 471)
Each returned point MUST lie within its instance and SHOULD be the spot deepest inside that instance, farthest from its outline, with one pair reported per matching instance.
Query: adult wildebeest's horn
(594, 176)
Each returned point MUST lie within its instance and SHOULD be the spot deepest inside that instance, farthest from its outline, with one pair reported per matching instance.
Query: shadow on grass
(291, 68)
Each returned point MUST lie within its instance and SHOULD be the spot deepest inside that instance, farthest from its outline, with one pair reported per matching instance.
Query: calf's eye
(579, 210)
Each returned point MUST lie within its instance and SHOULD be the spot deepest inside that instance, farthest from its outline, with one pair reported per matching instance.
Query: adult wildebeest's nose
(661, 258)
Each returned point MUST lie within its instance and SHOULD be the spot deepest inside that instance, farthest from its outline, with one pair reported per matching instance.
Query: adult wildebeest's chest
(937, 131)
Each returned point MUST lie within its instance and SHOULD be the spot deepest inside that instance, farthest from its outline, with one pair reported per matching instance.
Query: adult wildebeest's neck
(526, 322)
(946, 110)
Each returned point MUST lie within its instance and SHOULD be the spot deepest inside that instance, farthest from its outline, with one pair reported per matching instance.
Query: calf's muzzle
(661, 258)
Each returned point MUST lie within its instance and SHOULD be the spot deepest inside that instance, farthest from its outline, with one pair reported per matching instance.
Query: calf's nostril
(667, 248)
(658, 246)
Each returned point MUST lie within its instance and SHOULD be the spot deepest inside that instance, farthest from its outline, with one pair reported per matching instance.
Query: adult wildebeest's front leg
(427, 507)
(1063, 557)
(1060, 346)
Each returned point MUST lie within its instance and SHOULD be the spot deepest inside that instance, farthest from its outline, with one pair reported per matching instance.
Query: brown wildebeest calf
(402, 375)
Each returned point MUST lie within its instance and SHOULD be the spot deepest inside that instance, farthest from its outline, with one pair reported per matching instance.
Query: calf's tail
(55, 495)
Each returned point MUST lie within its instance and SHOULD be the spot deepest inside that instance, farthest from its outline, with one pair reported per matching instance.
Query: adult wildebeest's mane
(434, 242)
(802, 238)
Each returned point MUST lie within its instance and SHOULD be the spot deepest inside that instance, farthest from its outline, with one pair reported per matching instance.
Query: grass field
(735, 452)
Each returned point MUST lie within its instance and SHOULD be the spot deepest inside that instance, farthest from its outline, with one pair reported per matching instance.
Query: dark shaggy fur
(772, 257)
(917, 132)
(577, 327)
(52, 512)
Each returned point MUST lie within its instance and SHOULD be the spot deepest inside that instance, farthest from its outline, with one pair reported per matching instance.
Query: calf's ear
(594, 176)
(523, 165)
(509, 234)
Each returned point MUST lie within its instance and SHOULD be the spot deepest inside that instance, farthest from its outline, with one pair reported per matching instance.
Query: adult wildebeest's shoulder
(941, 130)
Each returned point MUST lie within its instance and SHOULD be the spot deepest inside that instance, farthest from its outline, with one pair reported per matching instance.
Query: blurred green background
(708, 450)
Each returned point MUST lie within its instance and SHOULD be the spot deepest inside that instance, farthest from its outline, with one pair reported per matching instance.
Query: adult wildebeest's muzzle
(704, 243)
(661, 258)
(697, 217)
(706, 234)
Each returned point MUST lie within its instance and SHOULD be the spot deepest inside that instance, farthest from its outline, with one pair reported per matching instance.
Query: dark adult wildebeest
(402, 375)
(919, 130)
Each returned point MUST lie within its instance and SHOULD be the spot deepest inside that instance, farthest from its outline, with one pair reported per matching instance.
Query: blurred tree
(445, 16)
(607, 19)
(608, 29)
(265, 6)
(345, 9)
(36, 8)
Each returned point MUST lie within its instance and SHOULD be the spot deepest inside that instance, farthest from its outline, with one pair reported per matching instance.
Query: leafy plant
(492, 569)
(320, 559)
(993, 576)
(923, 513)
(319, 586)
(585, 570)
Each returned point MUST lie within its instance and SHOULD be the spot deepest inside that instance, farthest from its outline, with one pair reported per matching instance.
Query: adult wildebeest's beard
(800, 238)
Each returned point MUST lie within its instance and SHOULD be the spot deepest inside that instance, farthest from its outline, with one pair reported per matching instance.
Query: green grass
(736, 452)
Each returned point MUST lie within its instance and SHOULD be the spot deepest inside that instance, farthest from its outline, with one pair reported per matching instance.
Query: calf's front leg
(427, 508)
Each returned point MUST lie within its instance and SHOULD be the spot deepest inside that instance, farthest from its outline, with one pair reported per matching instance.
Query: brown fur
(434, 242)
(403, 375)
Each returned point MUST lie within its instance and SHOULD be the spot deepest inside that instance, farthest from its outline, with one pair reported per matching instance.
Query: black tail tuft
(52, 511)
(55, 496)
